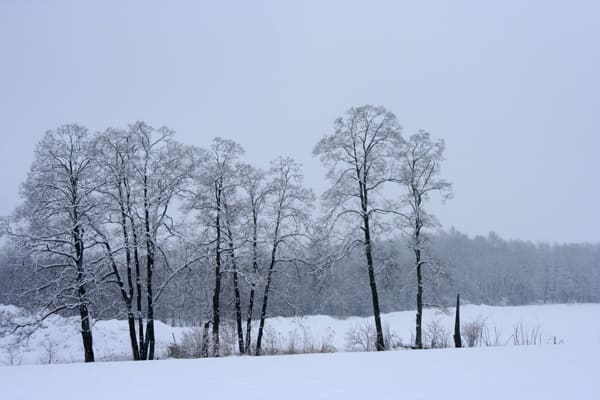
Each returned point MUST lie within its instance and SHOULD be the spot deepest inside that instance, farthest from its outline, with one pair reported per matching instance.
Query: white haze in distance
(513, 87)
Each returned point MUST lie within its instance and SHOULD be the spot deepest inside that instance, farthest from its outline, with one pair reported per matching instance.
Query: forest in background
(484, 269)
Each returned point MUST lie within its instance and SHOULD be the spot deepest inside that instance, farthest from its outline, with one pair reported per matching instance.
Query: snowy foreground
(525, 372)
(568, 370)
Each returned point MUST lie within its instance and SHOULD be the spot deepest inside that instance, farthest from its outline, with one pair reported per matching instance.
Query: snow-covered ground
(568, 370)
(60, 342)
(525, 372)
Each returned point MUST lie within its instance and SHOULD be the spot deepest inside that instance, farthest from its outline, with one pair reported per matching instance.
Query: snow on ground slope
(60, 342)
(524, 372)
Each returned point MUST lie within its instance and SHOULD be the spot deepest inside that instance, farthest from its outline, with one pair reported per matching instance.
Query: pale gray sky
(513, 87)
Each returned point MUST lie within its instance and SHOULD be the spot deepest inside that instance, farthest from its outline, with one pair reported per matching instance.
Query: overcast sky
(513, 87)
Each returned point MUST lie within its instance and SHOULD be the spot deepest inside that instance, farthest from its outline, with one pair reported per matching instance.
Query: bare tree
(255, 190)
(359, 156)
(288, 207)
(52, 223)
(419, 176)
(160, 171)
(116, 151)
(212, 182)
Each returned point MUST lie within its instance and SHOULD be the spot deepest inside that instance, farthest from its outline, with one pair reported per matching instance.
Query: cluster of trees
(97, 213)
(131, 223)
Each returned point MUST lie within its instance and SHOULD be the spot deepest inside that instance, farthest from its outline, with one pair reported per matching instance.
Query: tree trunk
(132, 335)
(418, 333)
(238, 307)
(248, 343)
(205, 346)
(149, 341)
(263, 313)
(253, 283)
(138, 281)
(379, 342)
(216, 311)
(236, 286)
(218, 276)
(129, 296)
(138, 299)
(457, 337)
(86, 330)
(127, 300)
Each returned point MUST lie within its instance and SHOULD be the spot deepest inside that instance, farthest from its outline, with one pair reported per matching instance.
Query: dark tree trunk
(205, 344)
(218, 275)
(128, 295)
(248, 343)
(238, 306)
(418, 263)
(457, 337)
(132, 335)
(236, 285)
(84, 314)
(216, 311)
(379, 342)
(127, 301)
(138, 280)
(138, 298)
(418, 333)
(86, 330)
(149, 340)
(253, 283)
(263, 312)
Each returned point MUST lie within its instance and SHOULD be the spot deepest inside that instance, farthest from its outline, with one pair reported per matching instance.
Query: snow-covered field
(60, 342)
(525, 372)
(568, 370)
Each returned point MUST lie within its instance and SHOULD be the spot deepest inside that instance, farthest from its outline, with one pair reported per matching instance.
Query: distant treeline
(484, 269)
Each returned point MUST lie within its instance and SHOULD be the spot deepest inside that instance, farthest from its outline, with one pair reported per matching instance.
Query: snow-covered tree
(53, 224)
(360, 156)
(254, 193)
(214, 183)
(288, 208)
(144, 170)
(419, 176)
